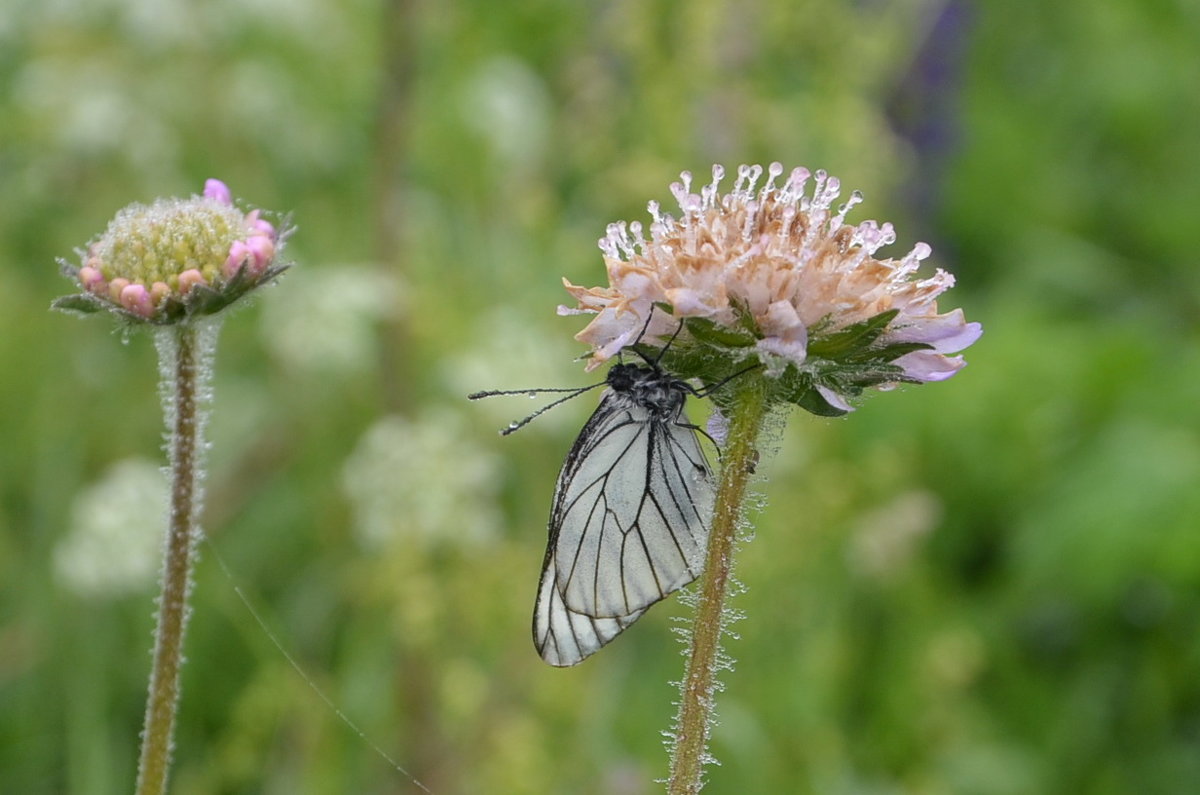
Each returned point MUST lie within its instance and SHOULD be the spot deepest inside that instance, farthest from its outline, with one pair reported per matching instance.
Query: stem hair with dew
(185, 365)
(693, 723)
(173, 267)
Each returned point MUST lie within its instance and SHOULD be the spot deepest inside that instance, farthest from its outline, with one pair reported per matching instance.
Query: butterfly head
(648, 386)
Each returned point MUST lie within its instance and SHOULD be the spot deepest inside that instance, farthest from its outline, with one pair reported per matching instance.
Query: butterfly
(631, 513)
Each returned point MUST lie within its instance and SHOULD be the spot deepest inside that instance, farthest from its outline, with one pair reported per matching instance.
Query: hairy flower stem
(184, 354)
(697, 693)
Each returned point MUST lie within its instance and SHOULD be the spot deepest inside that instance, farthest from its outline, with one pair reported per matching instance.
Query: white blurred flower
(92, 111)
(511, 353)
(506, 103)
(115, 542)
(421, 478)
(324, 322)
(887, 538)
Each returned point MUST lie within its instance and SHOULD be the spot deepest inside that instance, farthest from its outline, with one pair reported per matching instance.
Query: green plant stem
(696, 702)
(185, 420)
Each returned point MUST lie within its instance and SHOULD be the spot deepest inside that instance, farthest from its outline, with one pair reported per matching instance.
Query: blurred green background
(988, 586)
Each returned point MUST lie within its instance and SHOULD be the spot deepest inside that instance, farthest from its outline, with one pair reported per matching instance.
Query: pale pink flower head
(175, 259)
(770, 273)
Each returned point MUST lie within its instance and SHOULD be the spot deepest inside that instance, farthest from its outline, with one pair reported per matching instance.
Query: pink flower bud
(218, 191)
(263, 250)
(239, 253)
(115, 287)
(159, 292)
(92, 280)
(258, 226)
(189, 279)
(136, 299)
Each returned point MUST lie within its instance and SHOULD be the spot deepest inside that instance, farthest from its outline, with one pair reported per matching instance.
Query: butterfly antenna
(530, 392)
(654, 362)
(708, 390)
(663, 349)
(519, 424)
(645, 325)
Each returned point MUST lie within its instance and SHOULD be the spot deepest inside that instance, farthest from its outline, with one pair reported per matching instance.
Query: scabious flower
(174, 259)
(174, 265)
(773, 275)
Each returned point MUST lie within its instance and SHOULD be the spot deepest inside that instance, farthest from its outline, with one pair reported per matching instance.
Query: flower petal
(689, 303)
(717, 427)
(610, 331)
(794, 352)
(930, 365)
(834, 399)
(947, 333)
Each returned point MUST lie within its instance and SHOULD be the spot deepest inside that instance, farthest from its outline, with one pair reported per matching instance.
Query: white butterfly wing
(630, 525)
(564, 637)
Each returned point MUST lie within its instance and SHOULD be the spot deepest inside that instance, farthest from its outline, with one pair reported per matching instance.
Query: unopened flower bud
(173, 245)
(189, 279)
(258, 226)
(159, 292)
(218, 191)
(239, 253)
(262, 249)
(92, 280)
(115, 287)
(136, 298)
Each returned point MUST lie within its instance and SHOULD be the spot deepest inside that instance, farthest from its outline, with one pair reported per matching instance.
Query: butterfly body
(647, 387)
(630, 518)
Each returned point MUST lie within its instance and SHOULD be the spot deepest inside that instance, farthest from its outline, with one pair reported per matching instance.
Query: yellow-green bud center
(157, 242)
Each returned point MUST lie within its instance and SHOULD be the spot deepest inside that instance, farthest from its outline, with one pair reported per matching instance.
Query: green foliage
(984, 586)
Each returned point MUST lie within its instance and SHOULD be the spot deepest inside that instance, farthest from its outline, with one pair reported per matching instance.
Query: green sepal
(706, 332)
(811, 401)
(888, 353)
(687, 358)
(850, 338)
(200, 300)
(204, 300)
(78, 303)
(745, 317)
(846, 362)
(872, 374)
(681, 360)
(171, 311)
(800, 388)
